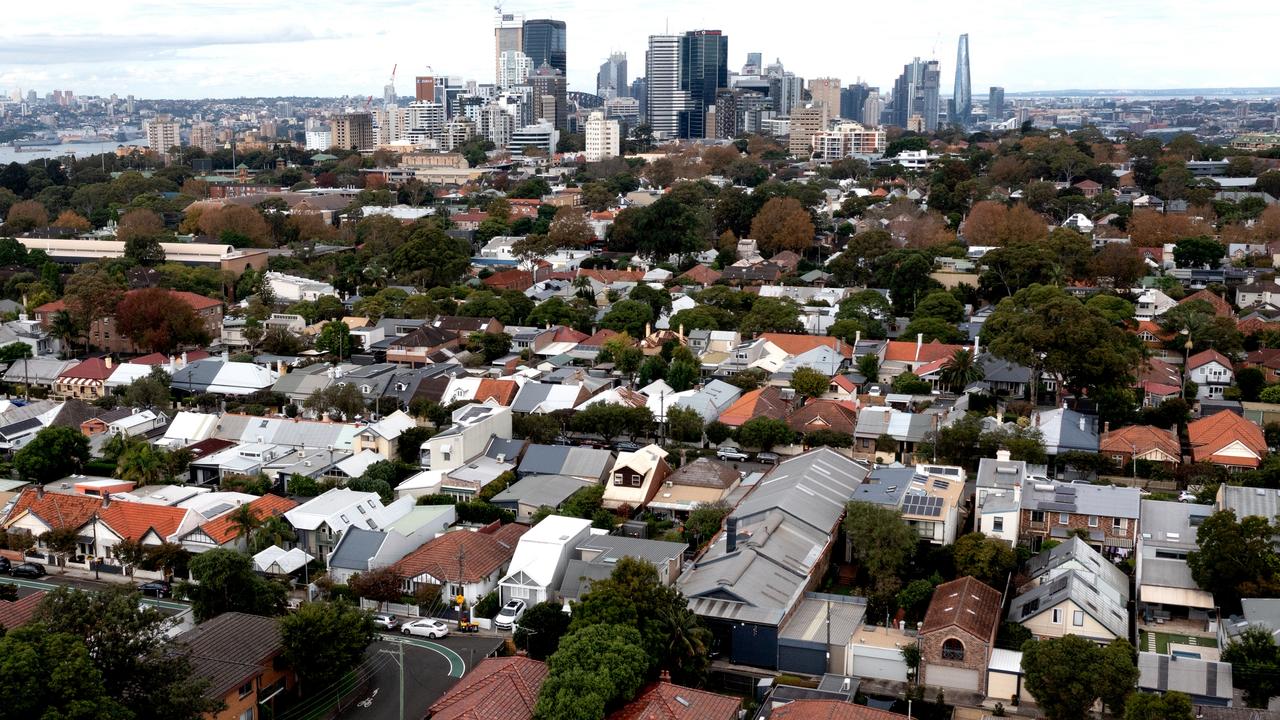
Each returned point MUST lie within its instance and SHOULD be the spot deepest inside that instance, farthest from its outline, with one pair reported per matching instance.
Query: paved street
(53, 581)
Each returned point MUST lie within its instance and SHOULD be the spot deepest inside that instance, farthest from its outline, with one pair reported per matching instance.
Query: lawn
(1162, 640)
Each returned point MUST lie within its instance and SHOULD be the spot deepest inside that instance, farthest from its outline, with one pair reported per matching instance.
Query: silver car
(386, 621)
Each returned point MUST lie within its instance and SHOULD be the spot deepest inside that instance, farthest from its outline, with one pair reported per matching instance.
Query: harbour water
(10, 154)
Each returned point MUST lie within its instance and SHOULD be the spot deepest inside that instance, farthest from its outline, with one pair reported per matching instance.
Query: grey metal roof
(530, 396)
(1197, 678)
(355, 548)
(993, 473)
(1255, 612)
(1084, 591)
(578, 576)
(1065, 429)
(1172, 524)
(810, 619)
(540, 490)
(1082, 499)
(1076, 553)
(885, 486)
(615, 547)
(197, 376)
(510, 449)
(813, 487)
(566, 460)
(1246, 501)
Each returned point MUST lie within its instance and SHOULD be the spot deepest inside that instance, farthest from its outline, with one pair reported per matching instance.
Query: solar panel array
(922, 505)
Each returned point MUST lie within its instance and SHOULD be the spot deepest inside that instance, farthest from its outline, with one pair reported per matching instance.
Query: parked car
(1187, 496)
(5, 565)
(157, 588)
(509, 615)
(386, 621)
(28, 570)
(767, 458)
(626, 446)
(426, 627)
(730, 453)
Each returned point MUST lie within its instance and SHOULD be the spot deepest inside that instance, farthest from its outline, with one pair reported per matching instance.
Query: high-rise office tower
(611, 81)
(640, 92)
(753, 64)
(508, 36)
(514, 68)
(424, 88)
(852, 99)
(962, 95)
(664, 100)
(546, 41)
(872, 108)
(704, 69)
(785, 90)
(550, 96)
(827, 92)
(915, 94)
(995, 103)
(727, 113)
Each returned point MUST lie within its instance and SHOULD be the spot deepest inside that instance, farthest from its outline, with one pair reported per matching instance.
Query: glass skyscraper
(704, 69)
(962, 95)
(546, 41)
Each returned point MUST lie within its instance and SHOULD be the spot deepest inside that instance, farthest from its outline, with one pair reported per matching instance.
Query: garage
(958, 678)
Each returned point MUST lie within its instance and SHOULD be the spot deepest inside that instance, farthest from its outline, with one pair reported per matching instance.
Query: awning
(1180, 597)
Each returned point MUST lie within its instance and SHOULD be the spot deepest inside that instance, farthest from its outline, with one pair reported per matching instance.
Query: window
(636, 479)
(1057, 616)
(246, 688)
(1093, 521)
(952, 649)
(1118, 524)
(246, 715)
(1037, 516)
(1077, 618)
(520, 592)
(619, 479)
(997, 524)
(1063, 518)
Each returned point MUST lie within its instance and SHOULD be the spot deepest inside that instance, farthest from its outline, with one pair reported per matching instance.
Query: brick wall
(1077, 521)
(977, 652)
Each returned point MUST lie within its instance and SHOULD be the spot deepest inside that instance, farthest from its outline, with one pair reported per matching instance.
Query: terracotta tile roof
(612, 276)
(1159, 371)
(767, 401)
(1142, 437)
(966, 604)
(800, 344)
(830, 710)
(475, 217)
(90, 369)
(132, 520)
(822, 414)
(162, 359)
(497, 689)
(599, 338)
(702, 275)
(208, 446)
(222, 530)
(56, 509)
(1265, 357)
(1154, 329)
(568, 334)
(19, 612)
(1209, 436)
(1253, 326)
(1207, 356)
(1221, 307)
(501, 391)
(485, 553)
(510, 279)
(666, 701)
(906, 351)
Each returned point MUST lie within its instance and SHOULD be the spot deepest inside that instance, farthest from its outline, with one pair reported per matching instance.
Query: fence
(400, 609)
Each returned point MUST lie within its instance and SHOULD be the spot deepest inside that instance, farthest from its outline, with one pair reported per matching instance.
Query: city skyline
(134, 48)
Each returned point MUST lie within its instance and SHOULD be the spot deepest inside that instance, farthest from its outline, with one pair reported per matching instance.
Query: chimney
(919, 344)
(1002, 455)
(648, 329)
(1081, 423)
(226, 356)
(280, 367)
(1106, 427)
(107, 361)
(39, 492)
(106, 500)
(184, 359)
(680, 333)
(730, 534)
(857, 340)
(977, 345)
(664, 676)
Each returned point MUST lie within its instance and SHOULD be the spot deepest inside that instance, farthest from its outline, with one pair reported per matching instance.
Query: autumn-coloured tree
(310, 226)
(195, 188)
(139, 223)
(1150, 228)
(984, 223)
(782, 224)
(569, 229)
(25, 216)
(237, 219)
(92, 294)
(1023, 225)
(718, 158)
(72, 220)
(159, 321)
(1120, 263)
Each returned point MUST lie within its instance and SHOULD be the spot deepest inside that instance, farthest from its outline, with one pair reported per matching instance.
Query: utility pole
(398, 656)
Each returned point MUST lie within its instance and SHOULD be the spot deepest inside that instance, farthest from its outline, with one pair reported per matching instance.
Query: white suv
(509, 615)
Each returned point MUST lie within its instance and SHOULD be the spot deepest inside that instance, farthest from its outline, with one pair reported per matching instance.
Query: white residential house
(321, 521)
(1252, 293)
(1212, 372)
(998, 497)
(291, 288)
(540, 558)
(1151, 304)
(473, 426)
(636, 477)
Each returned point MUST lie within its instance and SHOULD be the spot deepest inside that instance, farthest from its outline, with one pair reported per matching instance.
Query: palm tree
(273, 530)
(143, 464)
(689, 643)
(244, 521)
(960, 370)
(63, 327)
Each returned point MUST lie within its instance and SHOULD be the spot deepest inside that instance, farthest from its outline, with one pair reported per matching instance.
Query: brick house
(958, 634)
(104, 336)
(86, 381)
(417, 347)
(1106, 515)
(238, 654)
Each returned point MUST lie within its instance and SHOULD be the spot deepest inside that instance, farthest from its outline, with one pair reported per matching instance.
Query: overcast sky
(228, 48)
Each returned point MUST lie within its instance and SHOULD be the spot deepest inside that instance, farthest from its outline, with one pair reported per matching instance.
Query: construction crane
(393, 74)
(368, 103)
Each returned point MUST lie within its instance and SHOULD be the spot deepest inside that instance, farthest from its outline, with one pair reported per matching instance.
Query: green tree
(1067, 675)
(595, 670)
(364, 483)
(14, 351)
(985, 558)
(930, 329)
(1198, 252)
(335, 339)
(52, 676)
(810, 383)
(684, 424)
(881, 541)
(1154, 706)
(628, 316)
(541, 628)
(765, 433)
(225, 581)
(144, 464)
(1255, 665)
(770, 314)
(1235, 558)
(54, 453)
(345, 399)
(960, 370)
(149, 391)
(542, 429)
(908, 383)
(130, 650)
(682, 375)
(940, 304)
(322, 641)
(717, 432)
(704, 522)
(491, 346)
